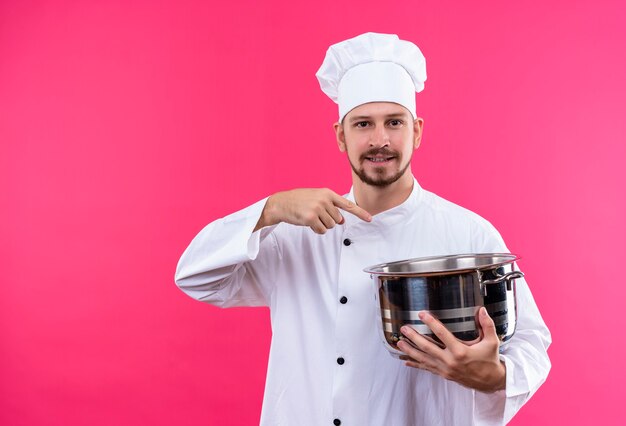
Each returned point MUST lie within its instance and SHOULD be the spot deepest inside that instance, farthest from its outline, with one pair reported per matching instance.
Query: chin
(379, 181)
(382, 179)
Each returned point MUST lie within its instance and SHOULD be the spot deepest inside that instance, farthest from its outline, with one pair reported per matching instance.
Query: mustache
(384, 151)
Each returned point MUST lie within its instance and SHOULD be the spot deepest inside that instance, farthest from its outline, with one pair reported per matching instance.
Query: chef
(302, 253)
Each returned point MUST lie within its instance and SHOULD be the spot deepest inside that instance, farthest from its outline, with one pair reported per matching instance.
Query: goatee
(380, 180)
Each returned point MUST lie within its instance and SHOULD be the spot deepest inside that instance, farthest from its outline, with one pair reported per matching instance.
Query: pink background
(125, 127)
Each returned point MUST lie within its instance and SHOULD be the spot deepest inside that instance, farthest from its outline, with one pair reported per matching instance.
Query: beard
(379, 179)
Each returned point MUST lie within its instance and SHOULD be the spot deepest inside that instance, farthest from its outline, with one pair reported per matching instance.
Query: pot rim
(402, 268)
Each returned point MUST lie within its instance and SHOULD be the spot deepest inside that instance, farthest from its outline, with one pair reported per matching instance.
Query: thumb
(487, 325)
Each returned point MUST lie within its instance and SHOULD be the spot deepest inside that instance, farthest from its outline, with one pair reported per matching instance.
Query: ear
(341, 136)
(418, 127)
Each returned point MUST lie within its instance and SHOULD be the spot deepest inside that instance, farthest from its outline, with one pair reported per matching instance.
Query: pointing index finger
(350, 207)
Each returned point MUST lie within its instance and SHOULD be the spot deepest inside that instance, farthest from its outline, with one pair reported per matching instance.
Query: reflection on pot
(452, 289)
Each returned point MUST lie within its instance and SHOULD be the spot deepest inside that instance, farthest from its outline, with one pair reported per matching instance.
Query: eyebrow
(367, 117)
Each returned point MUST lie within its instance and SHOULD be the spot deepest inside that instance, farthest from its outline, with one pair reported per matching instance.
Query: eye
(361, 124)
(396, 123)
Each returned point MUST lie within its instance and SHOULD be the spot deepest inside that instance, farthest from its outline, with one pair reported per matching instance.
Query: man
(302, 253)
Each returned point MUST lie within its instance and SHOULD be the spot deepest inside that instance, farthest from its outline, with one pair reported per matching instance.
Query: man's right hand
(316, 208)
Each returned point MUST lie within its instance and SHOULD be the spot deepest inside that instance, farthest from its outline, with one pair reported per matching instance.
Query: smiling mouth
(379, 159)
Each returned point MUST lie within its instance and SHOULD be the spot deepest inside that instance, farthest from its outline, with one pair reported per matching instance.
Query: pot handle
(506, 277)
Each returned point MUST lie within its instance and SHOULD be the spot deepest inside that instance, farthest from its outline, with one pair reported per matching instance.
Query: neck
(376, 199)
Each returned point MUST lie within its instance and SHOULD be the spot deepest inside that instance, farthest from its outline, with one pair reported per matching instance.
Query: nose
(379, 138)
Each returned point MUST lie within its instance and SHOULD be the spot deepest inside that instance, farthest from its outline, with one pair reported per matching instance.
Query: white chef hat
(372, 67)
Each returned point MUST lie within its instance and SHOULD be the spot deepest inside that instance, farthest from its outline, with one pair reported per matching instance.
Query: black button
(336, 422)
(340, 361)
(343, 300)
(347, 242)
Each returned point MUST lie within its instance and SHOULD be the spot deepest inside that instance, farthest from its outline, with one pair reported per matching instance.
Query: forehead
(377, 109)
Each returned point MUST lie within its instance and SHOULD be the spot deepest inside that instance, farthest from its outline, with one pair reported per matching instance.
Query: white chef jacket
(302, 276)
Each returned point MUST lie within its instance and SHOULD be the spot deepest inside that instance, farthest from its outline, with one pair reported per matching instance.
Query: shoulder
(454, 216)
(442, 206)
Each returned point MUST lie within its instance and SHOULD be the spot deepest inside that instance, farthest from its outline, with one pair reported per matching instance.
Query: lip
(379, 160)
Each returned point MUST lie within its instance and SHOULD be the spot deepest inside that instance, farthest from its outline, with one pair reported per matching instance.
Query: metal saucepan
(452, 289)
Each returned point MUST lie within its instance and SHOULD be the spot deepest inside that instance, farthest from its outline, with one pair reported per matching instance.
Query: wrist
(267, 215)
(500, 383)
(492, 381)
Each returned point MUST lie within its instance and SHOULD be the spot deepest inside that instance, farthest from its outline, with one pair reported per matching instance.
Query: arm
(316, 208)
(525, 355)
(234, 260)
(526, 359)
(503, 378)
(503, 381)
(230, 264)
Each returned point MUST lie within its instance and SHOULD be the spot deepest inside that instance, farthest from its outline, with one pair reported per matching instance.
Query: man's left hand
(477, 366)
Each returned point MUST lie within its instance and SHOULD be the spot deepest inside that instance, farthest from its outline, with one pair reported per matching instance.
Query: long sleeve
(525, 355)
(227, 264)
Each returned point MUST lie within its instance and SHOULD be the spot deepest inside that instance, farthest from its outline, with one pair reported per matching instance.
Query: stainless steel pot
(452, 289)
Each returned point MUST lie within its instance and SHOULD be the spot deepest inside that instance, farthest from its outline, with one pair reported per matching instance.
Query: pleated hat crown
(372, 67)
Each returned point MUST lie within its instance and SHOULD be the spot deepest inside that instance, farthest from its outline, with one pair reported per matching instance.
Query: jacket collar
(389, 217)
